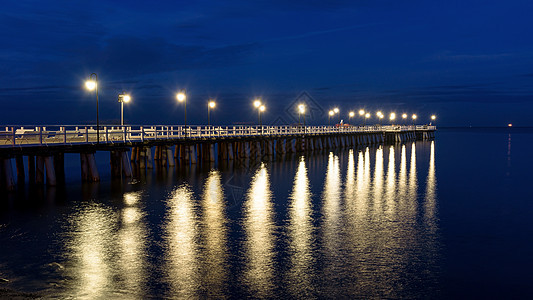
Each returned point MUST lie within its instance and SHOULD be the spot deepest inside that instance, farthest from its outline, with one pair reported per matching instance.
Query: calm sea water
(450, 218)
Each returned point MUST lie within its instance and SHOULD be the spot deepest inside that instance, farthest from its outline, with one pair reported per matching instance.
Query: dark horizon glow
(469, 62)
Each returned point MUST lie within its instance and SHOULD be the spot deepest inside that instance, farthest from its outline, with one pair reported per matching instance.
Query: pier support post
(21, 176)
(31, 169)
(7, 171)
(94, 176)
(39, 176)
(149, 163)
(126, 165)
(59, 167)
(169, 156)
(50, 171)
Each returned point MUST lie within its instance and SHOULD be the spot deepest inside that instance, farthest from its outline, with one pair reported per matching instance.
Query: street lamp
(367, 115)
(261, 109)
(350, 115)
(330, 114)
(414, 118)
(181, 96)
(210, 105)
(92, 84)
(123, 98)
(301, 110)
(257, 104)
(392, 117)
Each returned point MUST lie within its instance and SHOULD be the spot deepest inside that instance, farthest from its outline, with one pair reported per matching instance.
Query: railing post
(64, 134)
(106, 134)
(13, 135)
(40, 135)
(142, 134)
(86, 134)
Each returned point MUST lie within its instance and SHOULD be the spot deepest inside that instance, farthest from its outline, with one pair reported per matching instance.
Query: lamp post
(350, 116)
(123, 98)
(257, 105)
(367, 115)
(92, 84)
(301, 110)
(380, 116)
(433, 118)
(362, 114)
(210, 105)
(261, 109)
(414, 118)
(404, 117)
(330, 114)
(181, 96)
(392, 117)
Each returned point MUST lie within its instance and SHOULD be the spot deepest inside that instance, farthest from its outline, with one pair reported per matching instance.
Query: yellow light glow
(510, 125)
(351, 114)
(90, 84)
(126, 98)
(257, 103)
(301, 108)
(379, 113)
(367, 115)
(381, 116)
(262, 108)
(433, 117)
(404, 116)
(336, 110)
(392, 116)
(181, 96)
(414, 117)
(212, 104)
(361, 112)
(331, 113)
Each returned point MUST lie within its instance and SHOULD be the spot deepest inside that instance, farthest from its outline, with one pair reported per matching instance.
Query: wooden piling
(21, 176)
(39, 176)
(59, 167)
(50, 171)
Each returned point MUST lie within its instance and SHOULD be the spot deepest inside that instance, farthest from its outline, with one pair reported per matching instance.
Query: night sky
(469, 62)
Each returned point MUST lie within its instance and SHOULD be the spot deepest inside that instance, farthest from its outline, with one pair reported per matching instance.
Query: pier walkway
(132, 146)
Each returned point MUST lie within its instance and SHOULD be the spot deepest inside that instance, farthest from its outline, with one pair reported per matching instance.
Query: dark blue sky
(469, 62)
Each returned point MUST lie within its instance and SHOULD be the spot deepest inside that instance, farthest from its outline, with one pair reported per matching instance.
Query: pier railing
(11, 136)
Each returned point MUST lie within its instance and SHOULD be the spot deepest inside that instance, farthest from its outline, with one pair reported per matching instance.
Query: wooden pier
(44, 147)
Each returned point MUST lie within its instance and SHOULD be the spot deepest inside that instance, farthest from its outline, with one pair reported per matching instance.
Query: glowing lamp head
(181, 96)
(351, 114)
(392, 116)
(414, 117)
(367, 115)
(125, 98)
(361, 112)
(331, 113)
(379, 114)
(433, 117)
(509, 125)
(404, 116)
(336, 110)
(212, 104)
(262, 108)
(90, 84)
(301, 108)
(257, 103)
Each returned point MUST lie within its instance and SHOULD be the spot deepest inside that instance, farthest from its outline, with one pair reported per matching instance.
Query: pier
(43, 147)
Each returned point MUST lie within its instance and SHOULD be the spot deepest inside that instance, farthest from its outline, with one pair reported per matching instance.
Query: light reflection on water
(300, 233)
(259, 229)
(355, 227)
(181, 244)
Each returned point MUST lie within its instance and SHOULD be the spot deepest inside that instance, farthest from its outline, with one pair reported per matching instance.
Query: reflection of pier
(45, 147)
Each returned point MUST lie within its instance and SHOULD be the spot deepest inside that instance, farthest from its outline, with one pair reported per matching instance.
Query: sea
(449, 218)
